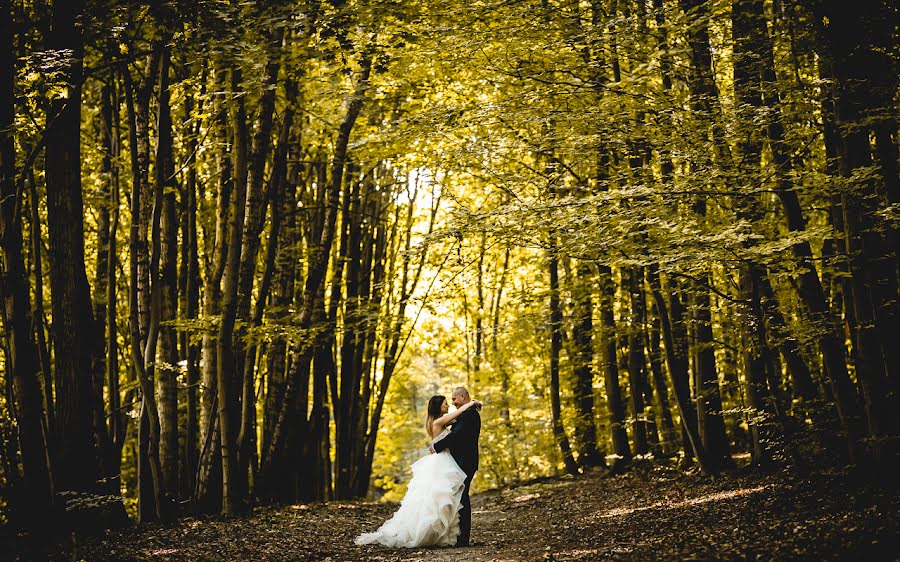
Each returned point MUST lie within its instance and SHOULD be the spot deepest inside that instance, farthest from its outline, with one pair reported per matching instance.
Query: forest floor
(649, 513)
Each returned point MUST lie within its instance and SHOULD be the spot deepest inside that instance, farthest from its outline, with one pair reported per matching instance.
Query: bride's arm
(442, 421)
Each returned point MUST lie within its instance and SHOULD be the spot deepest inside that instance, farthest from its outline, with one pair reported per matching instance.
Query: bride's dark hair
(433, 411)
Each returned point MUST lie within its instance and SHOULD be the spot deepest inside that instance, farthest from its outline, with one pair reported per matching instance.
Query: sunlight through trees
(244, 242)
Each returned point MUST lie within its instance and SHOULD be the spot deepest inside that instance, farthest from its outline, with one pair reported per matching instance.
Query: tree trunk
(277, 182)
(809, 286)
(632, 279)
(379, 204)
(559, 432)
(146, 492)
(393, 347)
(23, 360)
(319, 457)
(373, 276)
(583, 359)
(802, 383)
(479, 312)
(496, 358)
(887, 314)
(319, 259)
(664, 410)
(709, 397)
(189, 291)
(74, 328)
(38, 315)
(166, 362)
(143, 93)
(228, 376)
(282, 296)
(117, 422)
(102, 194)
(208, 488)
(614, 400)
(675, 343)
(256, 204)
(705, 104)
(347, 403)
(858, 39)
(762, 414)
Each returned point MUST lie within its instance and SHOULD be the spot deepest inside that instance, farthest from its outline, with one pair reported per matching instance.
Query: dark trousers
(465, 515)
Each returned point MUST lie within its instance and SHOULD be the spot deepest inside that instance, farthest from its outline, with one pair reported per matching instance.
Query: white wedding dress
(429, 512)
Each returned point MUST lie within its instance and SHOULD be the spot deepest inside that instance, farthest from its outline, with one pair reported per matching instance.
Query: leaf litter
(649, 513)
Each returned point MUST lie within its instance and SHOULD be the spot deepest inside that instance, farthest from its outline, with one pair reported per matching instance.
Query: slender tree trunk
(146, 495)
(38, 315)
(888, 312)
(166, 362)
(609, 334)
(632, 279)
(208, 488)
(479, 313)
(23, 364)
(705, 104)
(74, 328)
(228, 378)
(614, 400)
(143, 93)
(189, 291)
(709, 397)
(116, 424)
(675, 344)
(559, 432)
(282, 289)
(246, 442)
(320, 487)
(762, 415)
(802, 383)
(350, 377)
(108, 471)
(379, 205)
(496, 358)
(664, 411)
(153, 502)
(748, 25)
(256, 204)
(138, 104)
(372, 276)
(582, 334)
(673, 360)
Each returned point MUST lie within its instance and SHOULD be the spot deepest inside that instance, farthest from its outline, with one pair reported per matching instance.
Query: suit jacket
(463, 441)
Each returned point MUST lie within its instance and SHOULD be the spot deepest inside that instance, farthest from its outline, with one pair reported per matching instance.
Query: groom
(463, 445)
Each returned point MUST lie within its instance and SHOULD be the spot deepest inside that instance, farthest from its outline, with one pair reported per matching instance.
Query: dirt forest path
(647, 514)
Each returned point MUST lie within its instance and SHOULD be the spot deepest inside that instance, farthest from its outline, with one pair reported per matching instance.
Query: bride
(429, 512)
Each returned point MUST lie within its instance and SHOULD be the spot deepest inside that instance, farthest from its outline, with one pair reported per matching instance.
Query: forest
(244, 241)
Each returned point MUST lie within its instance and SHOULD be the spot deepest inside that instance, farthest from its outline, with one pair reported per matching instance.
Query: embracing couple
(436, 510)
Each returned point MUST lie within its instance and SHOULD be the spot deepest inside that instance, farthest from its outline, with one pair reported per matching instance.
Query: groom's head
(460, 396)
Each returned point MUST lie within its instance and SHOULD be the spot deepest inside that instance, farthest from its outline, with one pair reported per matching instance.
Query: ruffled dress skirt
(429, 512)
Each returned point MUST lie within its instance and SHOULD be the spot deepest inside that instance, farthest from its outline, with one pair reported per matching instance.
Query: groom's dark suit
(463, 445)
